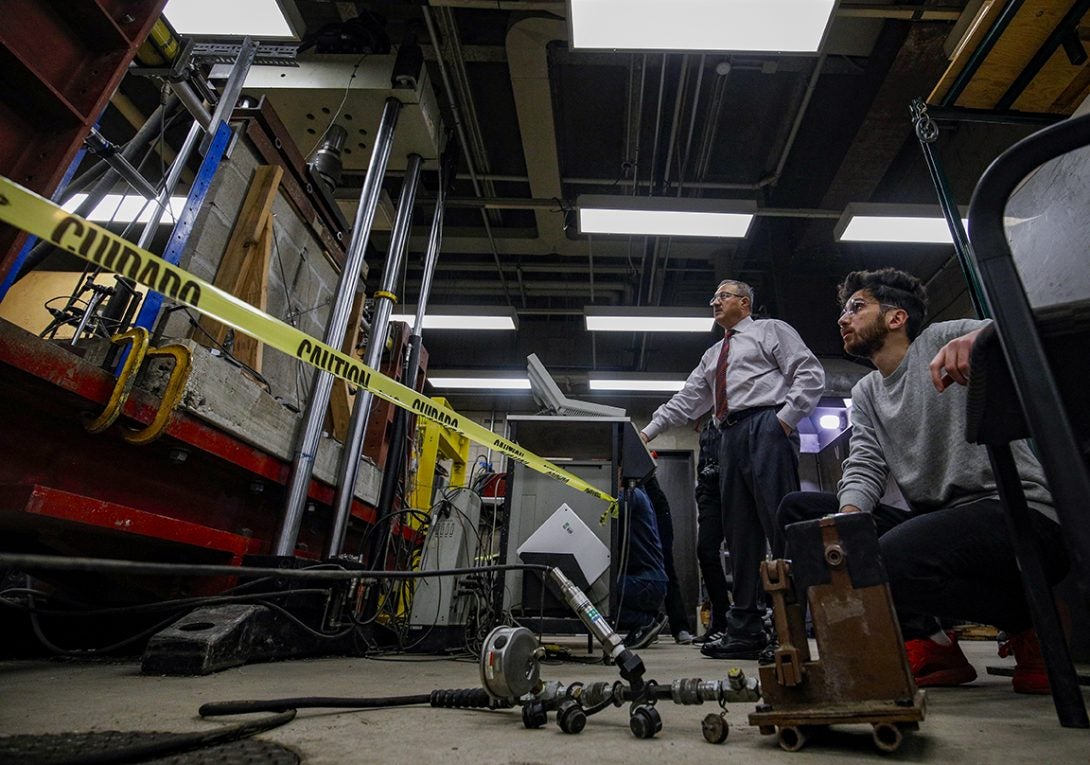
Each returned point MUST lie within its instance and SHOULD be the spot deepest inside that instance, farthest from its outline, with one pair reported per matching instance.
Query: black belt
(733, 418)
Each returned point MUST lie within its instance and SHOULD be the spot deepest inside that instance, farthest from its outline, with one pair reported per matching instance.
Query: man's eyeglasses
(721, 296)
(852, 307)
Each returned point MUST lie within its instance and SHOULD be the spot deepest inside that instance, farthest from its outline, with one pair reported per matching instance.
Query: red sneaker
(1030, 675)
(935, 665)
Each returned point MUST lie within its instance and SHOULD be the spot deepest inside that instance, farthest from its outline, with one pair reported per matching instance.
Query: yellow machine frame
(437, 442)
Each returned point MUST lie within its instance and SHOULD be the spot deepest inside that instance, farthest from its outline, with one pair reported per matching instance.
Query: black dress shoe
(739, 647)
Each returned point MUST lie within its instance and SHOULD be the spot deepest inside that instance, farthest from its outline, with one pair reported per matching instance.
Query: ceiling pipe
(461, 131)
(774, 178)
(517, 203)
(541, 268)
(632, 121)
(711, 127)
(532, 285)
(527, 44)
(687, 155)
(346, 191)
(463, 93)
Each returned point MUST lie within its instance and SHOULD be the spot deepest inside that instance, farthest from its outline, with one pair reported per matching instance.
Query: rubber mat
(69, 748)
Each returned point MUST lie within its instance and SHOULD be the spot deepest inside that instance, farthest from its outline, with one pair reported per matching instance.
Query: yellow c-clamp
(137, 337)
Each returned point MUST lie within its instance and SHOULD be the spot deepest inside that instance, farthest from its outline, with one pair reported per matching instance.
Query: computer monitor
(553, 401)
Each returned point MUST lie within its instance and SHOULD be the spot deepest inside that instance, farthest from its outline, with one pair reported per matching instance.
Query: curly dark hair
(891, 287)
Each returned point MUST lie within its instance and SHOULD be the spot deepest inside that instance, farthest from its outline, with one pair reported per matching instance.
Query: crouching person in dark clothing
(641, 586)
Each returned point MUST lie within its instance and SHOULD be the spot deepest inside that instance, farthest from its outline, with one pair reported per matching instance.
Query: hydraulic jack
(861, 673)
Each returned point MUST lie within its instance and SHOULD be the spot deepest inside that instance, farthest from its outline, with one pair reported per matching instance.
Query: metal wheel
(715, 728)
(887, 737)
(792, 738)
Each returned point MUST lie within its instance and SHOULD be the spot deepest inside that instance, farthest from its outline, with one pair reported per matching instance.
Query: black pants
(758, 467)
(956, 563)
(709, 538)
(674, 603)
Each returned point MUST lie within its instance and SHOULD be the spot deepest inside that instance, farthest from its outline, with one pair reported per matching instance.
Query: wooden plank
(254, 289)
(1059, 87)
(984, 20)
(253, 218)
(1076, 92)
(1027, 31)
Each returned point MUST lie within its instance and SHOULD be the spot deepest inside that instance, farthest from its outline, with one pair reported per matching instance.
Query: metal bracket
(172, 394)
(776, 577)
(138, 337)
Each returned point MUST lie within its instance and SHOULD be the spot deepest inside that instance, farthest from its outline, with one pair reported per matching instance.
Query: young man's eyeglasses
(721, 296)
(854, 306)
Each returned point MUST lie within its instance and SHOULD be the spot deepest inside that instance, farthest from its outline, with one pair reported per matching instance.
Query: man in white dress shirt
(760, 381)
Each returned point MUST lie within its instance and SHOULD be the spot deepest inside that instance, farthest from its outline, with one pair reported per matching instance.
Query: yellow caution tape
(27, 211)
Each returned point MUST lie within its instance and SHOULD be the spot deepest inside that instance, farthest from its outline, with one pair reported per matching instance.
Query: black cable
(230, 357)
(110, 565)
(403, 511)
(305, 627)
(248, 706)
(162, 605)
(460, 698)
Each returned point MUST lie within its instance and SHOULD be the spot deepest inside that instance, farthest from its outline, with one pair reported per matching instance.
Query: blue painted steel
(179, 237)
(17, 266)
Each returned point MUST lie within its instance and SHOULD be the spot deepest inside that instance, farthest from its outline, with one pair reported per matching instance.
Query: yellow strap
(27, 211)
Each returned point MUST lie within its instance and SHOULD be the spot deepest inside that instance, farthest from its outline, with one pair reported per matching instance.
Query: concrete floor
(985, 722)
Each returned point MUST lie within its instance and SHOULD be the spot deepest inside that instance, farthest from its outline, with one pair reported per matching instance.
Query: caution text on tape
(32, 213)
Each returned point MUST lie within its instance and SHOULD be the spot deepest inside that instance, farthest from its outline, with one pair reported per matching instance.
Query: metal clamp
(138, 337)
(776, 577)
(172, 394)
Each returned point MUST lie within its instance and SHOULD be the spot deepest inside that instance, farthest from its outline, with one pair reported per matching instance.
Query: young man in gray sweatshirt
(950, 555)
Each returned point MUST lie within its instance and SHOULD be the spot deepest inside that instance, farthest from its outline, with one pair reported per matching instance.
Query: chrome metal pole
(311, 429)
(229, 96)
(185, 93)
(97, 144)
(104, 184)
(119, 302)
(384, 302)
(174, 174)
(391, 471)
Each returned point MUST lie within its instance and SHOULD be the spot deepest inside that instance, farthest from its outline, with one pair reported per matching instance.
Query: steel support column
(395, 455)
(349, 465)
(311, 429)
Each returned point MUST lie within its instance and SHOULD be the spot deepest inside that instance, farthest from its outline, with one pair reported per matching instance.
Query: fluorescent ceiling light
(124, 208)
(784, 26)
(461, 317)
(266, 19)
(609, 319)
(650, 216)
(466, 382)
(914, 224)
(829, 421)
(636, 384)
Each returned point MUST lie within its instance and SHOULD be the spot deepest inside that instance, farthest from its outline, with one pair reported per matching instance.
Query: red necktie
(721, 378)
